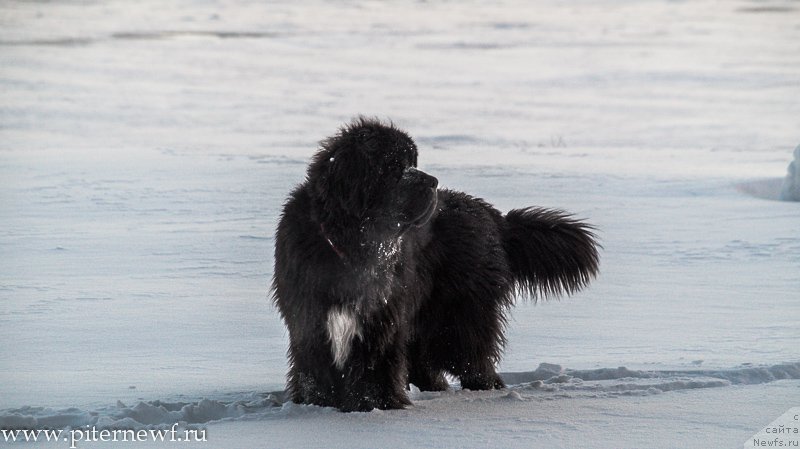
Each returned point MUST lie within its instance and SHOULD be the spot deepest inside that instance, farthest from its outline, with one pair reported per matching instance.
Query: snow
(790, 191)
(546, 383)
(146, 149)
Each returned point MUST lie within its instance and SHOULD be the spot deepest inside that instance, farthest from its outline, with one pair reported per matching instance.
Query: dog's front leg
(376, 374)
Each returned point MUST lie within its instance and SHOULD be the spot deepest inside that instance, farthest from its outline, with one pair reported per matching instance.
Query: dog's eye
(367, 140)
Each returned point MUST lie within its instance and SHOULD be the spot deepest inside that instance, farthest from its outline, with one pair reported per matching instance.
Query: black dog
(383, 280)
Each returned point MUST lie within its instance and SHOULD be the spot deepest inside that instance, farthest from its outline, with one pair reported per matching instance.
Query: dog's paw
(430, 382)
(482, 381)
(366, 403)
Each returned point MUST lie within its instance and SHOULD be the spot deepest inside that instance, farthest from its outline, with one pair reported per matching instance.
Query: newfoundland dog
(383, 280)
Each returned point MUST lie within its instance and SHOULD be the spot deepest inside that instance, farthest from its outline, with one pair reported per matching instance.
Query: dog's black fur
(384, 280)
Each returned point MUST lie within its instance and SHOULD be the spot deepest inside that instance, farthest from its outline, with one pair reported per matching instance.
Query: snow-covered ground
(146, 148)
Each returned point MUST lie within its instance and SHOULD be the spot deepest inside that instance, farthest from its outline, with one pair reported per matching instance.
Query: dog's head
(367, 174)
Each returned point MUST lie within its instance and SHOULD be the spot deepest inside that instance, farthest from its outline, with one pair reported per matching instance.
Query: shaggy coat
(384, 280)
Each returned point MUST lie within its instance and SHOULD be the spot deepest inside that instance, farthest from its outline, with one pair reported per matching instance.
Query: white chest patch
(342, 327)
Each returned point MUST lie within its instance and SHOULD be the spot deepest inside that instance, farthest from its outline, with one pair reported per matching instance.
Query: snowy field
(146, 148)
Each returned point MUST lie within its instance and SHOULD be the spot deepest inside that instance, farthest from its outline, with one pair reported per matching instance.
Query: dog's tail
(549, 251)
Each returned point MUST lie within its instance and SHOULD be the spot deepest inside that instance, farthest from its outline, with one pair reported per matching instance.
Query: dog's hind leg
(461, 332)
(421, 373)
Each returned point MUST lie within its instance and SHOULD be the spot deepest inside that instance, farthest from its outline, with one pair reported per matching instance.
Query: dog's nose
(432, 182)
(426, 179)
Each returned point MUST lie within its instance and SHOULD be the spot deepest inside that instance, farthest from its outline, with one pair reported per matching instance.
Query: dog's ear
(337, 174)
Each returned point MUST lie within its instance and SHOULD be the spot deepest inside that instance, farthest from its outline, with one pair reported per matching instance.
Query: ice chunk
(791, 185)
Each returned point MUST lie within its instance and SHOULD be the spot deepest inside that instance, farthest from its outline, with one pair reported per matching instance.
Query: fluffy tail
(549, 251)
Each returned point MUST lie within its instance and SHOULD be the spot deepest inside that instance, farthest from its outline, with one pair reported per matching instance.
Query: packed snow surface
(146, 149)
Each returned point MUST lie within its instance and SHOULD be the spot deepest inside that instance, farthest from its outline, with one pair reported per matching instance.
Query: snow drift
(791, 185)
(548, 381)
